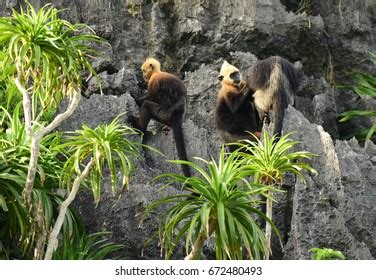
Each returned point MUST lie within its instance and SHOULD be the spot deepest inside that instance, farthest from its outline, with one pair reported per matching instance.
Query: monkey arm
(150, 96)
(140, 101)
(153, 93)
(236, 99)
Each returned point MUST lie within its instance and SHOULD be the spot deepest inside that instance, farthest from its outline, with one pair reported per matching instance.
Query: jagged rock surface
(334, 209)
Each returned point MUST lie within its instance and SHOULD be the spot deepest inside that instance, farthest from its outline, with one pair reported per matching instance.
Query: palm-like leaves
(222, 201)
(43, 58)
(269, 159)
(46, 52)
(108, 145)
(86, 247)
(15, 220)
(365, 86)
(94, 148)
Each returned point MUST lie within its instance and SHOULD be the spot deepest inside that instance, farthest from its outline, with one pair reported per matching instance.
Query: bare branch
(268, 227)
(26, 103)
(32, 169)
(36, 138)
(52, 240)
(63, 116)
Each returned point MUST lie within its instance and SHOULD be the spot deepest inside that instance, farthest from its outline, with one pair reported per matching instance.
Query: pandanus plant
(222, 203)
(43, 57)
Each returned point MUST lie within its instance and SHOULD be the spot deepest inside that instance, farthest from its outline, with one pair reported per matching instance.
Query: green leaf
(3, 203)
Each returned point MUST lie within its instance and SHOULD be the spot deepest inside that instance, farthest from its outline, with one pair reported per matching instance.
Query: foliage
(109, 146)
(365, 86)
(17, 232)
(268, 160)
(326, 254)
(86, 247)
(42, 57)
(47, 53)
(305, 6)
(14, 218)
(135, 10)
(222, 201)
(106, 145)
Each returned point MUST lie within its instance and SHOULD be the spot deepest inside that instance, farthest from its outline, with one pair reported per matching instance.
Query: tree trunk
(196, 249)
(36, 214)
(268, 227)
(34, 154)
(52, 240)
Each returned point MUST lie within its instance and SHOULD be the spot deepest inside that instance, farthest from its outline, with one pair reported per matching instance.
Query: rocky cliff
(326, 39)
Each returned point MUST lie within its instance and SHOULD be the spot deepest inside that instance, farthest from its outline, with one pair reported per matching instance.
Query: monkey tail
(280, 104)
(177, 130)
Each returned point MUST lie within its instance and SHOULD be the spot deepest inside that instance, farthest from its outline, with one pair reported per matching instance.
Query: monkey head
(149, 67)
(229, 74)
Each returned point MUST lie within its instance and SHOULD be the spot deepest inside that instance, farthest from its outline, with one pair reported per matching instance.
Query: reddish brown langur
(165, 102)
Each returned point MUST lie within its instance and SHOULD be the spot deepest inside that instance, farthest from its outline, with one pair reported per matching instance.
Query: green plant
(305, 6)
(222, 203)
(268, 160)
(86, 247)
(17, 231)
(43, 57)
(91, 150)
(365, 86)
(135, 10)
(326, 254)
(108, 145)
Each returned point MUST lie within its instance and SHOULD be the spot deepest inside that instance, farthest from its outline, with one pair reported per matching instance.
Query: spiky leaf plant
(268, 160)
(18, 231)
(108, 145)
(95, 246)
(222, 202)
(43, 57)
(91, 151)
(365, 86)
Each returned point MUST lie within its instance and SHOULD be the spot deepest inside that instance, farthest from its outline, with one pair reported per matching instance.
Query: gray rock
(99, 109)
(118, 83)
(334, 209)
(192, 38)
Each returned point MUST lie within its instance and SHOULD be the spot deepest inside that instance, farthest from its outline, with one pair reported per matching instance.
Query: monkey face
(147, 72)
(229, 74)
(235, 77)
(149, 67)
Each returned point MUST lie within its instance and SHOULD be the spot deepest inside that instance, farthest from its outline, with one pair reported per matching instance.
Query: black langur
(235, 112)
(165, 102)
(274, 82)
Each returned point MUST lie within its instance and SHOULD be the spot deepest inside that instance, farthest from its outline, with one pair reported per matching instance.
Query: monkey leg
(151, 110)
(264, 116)
(134, 122)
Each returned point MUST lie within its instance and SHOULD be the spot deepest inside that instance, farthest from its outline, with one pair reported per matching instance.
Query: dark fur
(259, 77)
(166, 102)
(235, 114)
